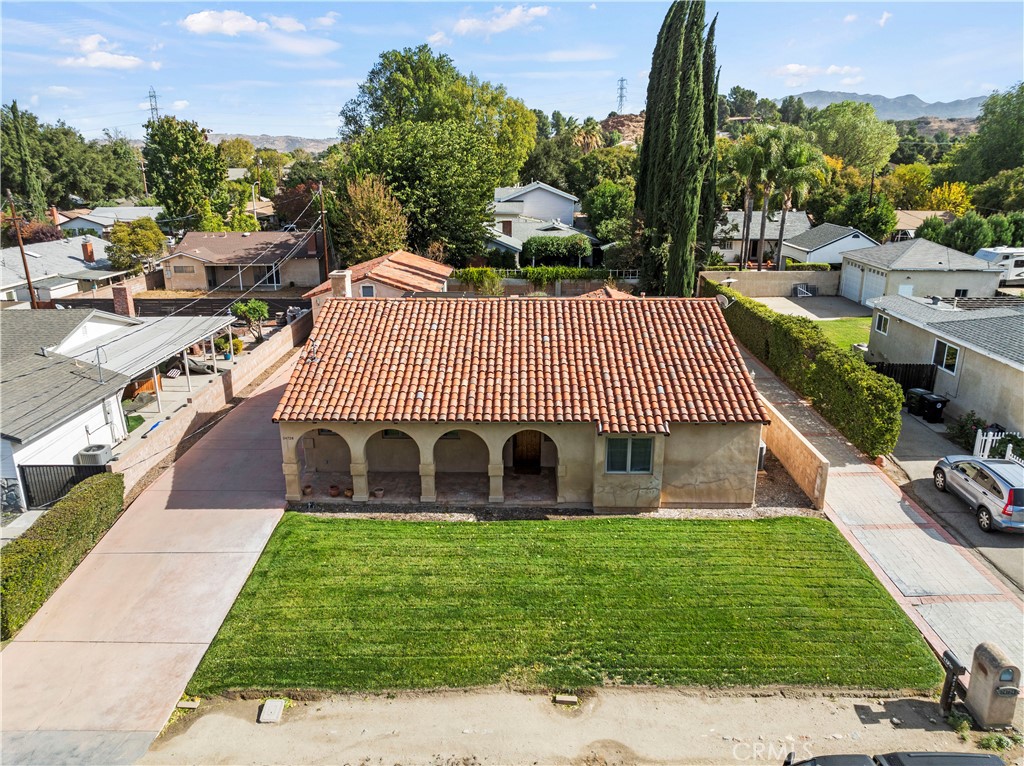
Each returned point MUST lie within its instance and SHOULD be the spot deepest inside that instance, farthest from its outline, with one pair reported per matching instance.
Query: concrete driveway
(916, 453)
(95, 674)
(817, 308)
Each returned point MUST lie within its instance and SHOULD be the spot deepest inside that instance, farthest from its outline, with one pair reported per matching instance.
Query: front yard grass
(845, 332)
(361, 605)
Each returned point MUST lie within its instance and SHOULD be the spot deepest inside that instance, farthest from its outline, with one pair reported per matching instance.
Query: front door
(526, 452)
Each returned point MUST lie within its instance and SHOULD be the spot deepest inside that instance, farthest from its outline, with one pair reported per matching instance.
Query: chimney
(341, 283)
(87, 253)
(53, 215)
(311, 246)
(124, 304)
(506, 228)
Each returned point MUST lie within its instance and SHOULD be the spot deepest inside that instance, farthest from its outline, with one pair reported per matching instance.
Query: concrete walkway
(95, 674)
(955, 602)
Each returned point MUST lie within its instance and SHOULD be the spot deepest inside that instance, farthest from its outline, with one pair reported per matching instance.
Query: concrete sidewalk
(95, 674)
(950, 596)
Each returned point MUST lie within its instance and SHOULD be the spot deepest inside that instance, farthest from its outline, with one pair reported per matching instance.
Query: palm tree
(768, 140)
(801, 164)
(746, 163)
(589, 136)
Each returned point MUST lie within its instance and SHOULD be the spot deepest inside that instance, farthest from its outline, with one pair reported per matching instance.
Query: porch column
(292, 490)
(188, 375)
(496, 475)
(360, 485)
(156, 390)
(240, 285)
(213, 353)
(428, 492)
(231, 344)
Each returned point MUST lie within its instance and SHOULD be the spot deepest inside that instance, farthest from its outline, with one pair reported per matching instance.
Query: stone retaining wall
(807, 466)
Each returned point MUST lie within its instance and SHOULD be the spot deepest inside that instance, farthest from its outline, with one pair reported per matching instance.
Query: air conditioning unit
(762, 448)
(95, 454)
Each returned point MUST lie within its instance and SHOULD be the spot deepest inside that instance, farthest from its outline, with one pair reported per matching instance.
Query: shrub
(964, 430)
(221, 345)
(549, 250)
(1009, 440)
(499, 259)
(541, 276)
(484, 281)
(792, 265)
(862, 404)
(36, 563)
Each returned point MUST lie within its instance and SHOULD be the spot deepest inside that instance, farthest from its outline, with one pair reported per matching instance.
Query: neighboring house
(1010, 260)
(55, 401)
(102, 219)
(508, 235)
(535, 200)
(977, 345)
(606, 404)
(393, 275)
(825, 243)
(915, 267)
(729, 236)
(908, 222)
(57, 269)
(607, 292)
(233, 260)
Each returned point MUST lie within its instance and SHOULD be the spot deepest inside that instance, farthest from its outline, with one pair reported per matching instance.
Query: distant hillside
(955, 126)
(281, 143)
(631, 126)
(906, 107)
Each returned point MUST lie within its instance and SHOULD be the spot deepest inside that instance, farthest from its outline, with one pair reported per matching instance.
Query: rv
(1009, 259)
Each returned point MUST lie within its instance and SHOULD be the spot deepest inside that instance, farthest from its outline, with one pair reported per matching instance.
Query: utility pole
(21, 246)
(323, 227)
(142, 167)
(622, 94)
(871, 194)
(154, 111)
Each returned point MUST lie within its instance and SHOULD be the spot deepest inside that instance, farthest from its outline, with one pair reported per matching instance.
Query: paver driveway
(93, 677)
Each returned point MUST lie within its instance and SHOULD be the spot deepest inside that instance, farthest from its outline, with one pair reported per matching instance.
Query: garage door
(874, 286)
(849, 286)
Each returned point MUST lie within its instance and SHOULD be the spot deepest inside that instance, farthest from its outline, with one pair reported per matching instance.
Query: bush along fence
(862, 404)
(554, 280)
(36, 563)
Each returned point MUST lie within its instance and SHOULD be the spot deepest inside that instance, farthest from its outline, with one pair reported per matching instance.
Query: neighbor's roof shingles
(628, 366)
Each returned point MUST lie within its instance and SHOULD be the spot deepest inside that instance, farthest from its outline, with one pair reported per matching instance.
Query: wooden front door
(526, 452)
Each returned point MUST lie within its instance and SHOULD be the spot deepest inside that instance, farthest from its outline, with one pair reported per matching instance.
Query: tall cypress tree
(29, 170)
(709, 191)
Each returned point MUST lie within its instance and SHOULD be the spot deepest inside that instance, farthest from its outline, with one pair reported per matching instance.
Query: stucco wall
(807, 466)
(193, 281)
(304, 272)
(830, 253)
(710, 465)
(546, 205)
(379, 290)
(467, 454)
(767, 284)
(979, 284)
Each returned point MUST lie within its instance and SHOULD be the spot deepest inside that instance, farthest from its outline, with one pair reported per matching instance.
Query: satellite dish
(722, 301)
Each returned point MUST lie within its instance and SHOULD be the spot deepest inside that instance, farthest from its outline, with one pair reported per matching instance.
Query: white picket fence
(985, 441)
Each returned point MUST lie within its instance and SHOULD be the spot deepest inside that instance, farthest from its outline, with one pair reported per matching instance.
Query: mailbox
(995, 686)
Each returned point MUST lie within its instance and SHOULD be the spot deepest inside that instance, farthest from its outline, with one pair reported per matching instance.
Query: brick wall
(152, 281)
(208, 401)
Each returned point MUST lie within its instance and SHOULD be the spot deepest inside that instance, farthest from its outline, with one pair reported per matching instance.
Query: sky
(286, 68)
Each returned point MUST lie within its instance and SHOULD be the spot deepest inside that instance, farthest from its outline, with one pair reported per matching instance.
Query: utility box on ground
(994, 688)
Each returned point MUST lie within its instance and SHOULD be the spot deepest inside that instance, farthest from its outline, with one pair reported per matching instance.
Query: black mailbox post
(952, 686)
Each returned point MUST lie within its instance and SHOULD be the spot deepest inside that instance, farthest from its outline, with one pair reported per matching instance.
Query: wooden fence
(908, 375)
(157, 307)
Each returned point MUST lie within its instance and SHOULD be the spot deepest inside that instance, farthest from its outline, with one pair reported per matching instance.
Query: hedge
(538, 276)
(556, 249)
(864, 405)
(792, 265)
(35, 564)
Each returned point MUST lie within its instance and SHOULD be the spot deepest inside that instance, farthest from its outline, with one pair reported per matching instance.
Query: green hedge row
(35, 564)
(862, 404)
(792, 265)
(556, 249)
(538, 276)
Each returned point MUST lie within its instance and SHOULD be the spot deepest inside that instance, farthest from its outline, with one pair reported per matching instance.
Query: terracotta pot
(348, 492)
(334, 490)
(378, 492)
(307, 489)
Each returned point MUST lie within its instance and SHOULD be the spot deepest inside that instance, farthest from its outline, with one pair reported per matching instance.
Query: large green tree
(33, 188)
(608, 200)
(968, 234)
(133, 243)
(372, 221)
(710, 202)
(799, 168)
(182, 167)
(875, 216)
(742, 101)
(612, 163)
(443, 174)
(237, 152)
(1004, 191)
(850, 131)
(999, 143)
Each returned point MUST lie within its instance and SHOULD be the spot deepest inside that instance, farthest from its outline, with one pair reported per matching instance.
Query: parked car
(900, 759)
(993, 489)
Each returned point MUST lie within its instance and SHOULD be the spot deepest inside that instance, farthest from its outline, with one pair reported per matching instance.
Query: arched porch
(530, 460)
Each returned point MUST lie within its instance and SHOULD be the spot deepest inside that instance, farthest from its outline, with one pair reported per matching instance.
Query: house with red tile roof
(389, 276)
(614, 403)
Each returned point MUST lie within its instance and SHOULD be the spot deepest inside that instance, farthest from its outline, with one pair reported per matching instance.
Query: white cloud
(833, 69)
(439, 38)
(849, 18)
(33, 99)
(143, 105)
(851, 80)
(155, 65)
(99, 53)
(327, 20)
(500, 20)
(593, 6)
(885, 17)
(301, 46)
(230, 23)
(180, 104)
(559, 56)
(800, 74)
(286, 24)
(59, 90)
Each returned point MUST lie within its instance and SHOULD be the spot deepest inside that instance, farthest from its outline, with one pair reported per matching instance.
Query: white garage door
(849, 286)
(874, 286)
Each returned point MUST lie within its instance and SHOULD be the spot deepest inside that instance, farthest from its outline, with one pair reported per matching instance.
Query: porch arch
(530, 466)
(394, 460)
(461, 459)
(324, 459)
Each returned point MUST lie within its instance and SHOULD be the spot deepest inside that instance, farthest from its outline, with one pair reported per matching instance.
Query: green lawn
(845, 332)
(369, 605)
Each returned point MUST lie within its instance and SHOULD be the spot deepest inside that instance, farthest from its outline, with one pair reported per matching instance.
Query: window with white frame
(960, 293)
(945, 356)
(882, 324)
(184, 269)
(629, 454)
(366, 291)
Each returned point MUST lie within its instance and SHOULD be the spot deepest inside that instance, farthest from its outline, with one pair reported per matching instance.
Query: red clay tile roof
(628, 366)
(607, 292)
(401, 269)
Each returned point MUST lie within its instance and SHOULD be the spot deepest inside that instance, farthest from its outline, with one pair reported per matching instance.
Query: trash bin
(934, 407)
(915, 401)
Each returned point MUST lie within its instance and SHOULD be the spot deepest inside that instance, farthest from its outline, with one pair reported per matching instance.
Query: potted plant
(334, 490)
(307, 489)
(378, 492)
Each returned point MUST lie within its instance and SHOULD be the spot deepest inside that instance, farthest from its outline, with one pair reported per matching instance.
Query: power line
(622, 94)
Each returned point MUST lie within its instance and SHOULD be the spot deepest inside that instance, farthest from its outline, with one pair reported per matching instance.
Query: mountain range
(906, 107)
(281, 143)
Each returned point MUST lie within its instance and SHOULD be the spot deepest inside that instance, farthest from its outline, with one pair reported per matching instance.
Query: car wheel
(939, 477)
(985, 519)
